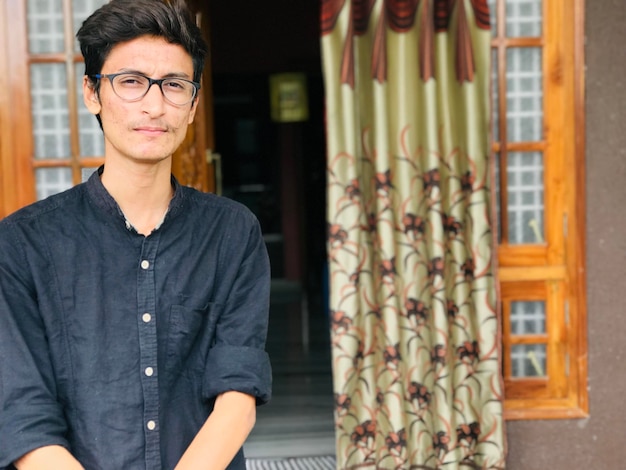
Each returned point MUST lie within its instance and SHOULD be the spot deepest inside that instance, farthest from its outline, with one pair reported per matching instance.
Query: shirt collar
(103, 200)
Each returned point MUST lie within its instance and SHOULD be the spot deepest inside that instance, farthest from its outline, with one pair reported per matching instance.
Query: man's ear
(194, 108)
(90, 96)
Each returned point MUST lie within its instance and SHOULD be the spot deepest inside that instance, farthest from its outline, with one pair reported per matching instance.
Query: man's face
(151, 129)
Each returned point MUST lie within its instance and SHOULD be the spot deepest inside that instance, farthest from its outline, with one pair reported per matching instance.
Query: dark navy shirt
(115, 345)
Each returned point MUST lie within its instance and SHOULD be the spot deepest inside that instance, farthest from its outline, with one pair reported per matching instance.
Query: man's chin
(151, 159)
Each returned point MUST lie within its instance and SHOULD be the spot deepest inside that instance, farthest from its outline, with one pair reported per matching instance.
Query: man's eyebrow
(167, 75)
(177, 75)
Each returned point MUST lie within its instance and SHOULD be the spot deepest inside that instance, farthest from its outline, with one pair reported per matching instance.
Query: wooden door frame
(15, 191)
(6, 172)
(190, 163)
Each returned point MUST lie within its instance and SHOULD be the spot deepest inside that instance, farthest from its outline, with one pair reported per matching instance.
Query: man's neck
(143, 192)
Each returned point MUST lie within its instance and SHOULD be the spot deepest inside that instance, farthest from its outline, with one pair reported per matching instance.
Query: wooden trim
(557, 130)
(508, 42)
(532, 273)
(530, 339)
(85, 162)
(51, 58)
(522, 255)
(576, 242)
(518, 409)
(189, 161)
(500, 44)
(72, 100)
(7, 169)
(521, 146)
(21, 131)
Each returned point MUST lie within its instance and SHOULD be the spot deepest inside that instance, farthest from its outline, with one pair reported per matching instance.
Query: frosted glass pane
(50, 111)
(528, 360)
(523, 18)
(45, 26)
(85, 173)
(524, 94)
(81, 9)
(525, 190)
(90, 135)
(49, 181)
(528, 318)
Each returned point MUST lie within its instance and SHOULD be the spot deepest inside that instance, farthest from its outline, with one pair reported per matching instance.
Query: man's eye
(131, 81)
(175, 85)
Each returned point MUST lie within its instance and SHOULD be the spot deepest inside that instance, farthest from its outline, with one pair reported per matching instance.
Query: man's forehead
(149, 55)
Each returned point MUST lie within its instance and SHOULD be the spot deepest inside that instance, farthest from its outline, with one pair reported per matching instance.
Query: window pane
(81, 9)
(525, 197)
(85, 173)
(51, 181)
(50, 111)
(528, 318)
(524, 94)
(528, 360)
(523, 18)
(45, 26)
(90, 134)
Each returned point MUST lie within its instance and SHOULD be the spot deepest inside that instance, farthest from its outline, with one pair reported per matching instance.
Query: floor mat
(299, 463)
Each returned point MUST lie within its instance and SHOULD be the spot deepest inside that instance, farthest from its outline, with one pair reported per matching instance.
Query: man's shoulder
(55, 207)
(212, 203)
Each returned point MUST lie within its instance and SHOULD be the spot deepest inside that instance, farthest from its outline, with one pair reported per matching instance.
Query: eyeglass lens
(133, 87)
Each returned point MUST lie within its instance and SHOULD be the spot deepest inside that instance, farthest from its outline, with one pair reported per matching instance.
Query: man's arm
(31, 416)
(48, 457)
(223, 433)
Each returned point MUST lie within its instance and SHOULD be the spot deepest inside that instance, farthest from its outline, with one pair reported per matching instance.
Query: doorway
(278, 170)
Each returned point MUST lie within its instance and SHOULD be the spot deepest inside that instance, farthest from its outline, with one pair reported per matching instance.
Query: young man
(133, 311)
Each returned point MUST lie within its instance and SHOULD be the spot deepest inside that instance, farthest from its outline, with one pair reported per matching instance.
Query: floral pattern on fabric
(415, 334)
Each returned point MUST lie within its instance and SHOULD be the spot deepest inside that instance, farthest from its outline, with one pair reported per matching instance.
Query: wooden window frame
(16, 152)
(9, 130)
(555, 270)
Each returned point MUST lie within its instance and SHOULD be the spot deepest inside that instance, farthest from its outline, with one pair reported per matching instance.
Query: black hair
(123, 20)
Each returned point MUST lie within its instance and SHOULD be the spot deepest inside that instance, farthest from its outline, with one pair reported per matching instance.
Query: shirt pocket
(191, 332)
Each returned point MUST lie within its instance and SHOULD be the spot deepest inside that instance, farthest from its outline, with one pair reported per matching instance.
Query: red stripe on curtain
(401, 14)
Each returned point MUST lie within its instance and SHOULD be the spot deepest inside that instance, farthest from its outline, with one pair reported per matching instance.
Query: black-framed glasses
(131, 86)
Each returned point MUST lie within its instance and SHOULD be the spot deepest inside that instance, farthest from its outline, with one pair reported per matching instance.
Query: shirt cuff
(29, 427)
(238, 368)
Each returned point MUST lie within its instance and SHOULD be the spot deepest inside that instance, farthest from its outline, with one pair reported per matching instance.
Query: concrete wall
(597, 442)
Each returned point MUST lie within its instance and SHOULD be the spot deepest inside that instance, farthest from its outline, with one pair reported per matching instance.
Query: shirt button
(145, 264)
(151, 425)
(146, 317)
(149, 371)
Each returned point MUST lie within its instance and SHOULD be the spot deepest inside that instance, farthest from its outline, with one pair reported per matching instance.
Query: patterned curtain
(415, 335)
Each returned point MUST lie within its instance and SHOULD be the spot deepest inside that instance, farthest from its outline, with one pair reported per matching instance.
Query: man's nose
(154, 101)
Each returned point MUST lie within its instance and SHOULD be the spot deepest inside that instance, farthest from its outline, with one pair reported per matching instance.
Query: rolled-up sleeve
(245, 370)
(30, 414)
(238, 361)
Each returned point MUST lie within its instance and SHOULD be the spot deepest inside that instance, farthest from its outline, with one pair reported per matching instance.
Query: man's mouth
(151, 130)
